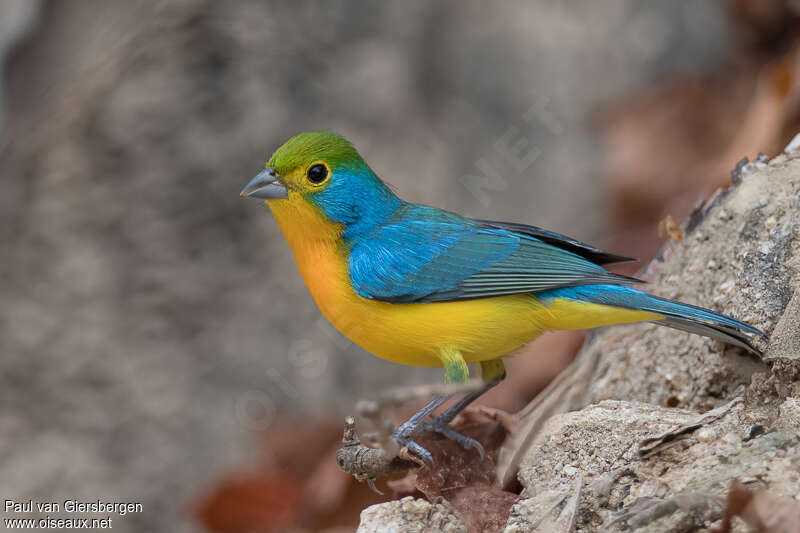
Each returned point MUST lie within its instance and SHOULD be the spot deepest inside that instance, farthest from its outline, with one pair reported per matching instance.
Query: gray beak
(265, 185)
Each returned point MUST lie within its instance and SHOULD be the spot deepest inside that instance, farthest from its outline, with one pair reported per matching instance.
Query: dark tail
(676, 315)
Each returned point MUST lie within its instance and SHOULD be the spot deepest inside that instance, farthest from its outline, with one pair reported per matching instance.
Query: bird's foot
(402, 436)
(393, 441)
(442, 427)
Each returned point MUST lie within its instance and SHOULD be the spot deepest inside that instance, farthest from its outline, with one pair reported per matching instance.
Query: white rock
(410, 515)
(794, 145)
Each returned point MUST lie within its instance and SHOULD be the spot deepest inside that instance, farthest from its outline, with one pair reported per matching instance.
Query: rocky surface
(682, 485)
(410, 515)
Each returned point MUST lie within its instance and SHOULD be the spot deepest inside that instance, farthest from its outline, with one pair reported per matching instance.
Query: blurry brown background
(156, 342)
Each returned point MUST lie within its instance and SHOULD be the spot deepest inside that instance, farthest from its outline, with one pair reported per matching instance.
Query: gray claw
(446, 431)
(423, 454)
(371, 484)
(402, 436)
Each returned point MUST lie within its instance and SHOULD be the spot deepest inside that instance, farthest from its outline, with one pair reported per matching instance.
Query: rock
(529, 512)
(785, 341)
(789, 416)
(552, 511)
(410, 515)
(608, 434)
(680, 488)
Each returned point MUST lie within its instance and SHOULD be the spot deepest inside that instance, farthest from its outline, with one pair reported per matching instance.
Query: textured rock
(607, 434)
(789, 416)
(552, 510)
(785, 340)
(680, 488)
(410, 515)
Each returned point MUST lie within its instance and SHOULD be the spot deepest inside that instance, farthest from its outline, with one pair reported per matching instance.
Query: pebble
(705, 435)
(770, 222)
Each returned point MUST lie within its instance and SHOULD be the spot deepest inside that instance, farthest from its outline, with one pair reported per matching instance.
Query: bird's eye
(317, 173)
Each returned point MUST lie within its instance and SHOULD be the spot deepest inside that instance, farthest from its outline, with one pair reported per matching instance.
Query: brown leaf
(453, 466)
(248, 502)
(466, 481)
(298, 484)
(669, 228)
(762, 511)
(481, 413)
(483, 508)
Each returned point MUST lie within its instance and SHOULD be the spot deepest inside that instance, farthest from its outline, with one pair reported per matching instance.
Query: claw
(371, 484)
(421, 452)
(402, 437)
(446, 431)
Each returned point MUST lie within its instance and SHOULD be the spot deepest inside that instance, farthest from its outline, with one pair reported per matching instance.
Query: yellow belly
(413, 334)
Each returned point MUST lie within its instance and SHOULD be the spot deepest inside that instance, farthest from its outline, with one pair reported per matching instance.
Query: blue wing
(587, 251)
(423, 254)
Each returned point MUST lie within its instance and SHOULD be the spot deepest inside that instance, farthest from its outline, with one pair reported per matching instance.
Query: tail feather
(693, 319)
(720, 333)
(677, 315)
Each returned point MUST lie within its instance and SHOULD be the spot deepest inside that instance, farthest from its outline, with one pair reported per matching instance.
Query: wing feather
(587, 251)
(427, 255)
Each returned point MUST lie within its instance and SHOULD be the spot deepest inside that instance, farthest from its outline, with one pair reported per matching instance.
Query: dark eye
(317, 173)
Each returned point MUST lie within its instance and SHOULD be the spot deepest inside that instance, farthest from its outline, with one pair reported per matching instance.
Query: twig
(653, 445)
(367, 464)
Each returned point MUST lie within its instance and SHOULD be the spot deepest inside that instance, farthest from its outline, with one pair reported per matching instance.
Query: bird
(422, 286)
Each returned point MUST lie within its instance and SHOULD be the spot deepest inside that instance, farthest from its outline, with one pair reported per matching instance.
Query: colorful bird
(421, 286)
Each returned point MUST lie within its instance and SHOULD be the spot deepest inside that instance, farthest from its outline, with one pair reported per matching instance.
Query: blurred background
(157, 344)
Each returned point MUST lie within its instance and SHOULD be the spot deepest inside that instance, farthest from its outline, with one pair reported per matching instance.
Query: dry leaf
(669, 228)
(762, 511)
(248, 502)
(466, 481)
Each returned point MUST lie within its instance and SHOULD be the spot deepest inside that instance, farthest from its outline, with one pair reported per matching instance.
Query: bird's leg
(451, 412)
(456, 371)
(415, 424)
(456, 381)
(492, 372)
